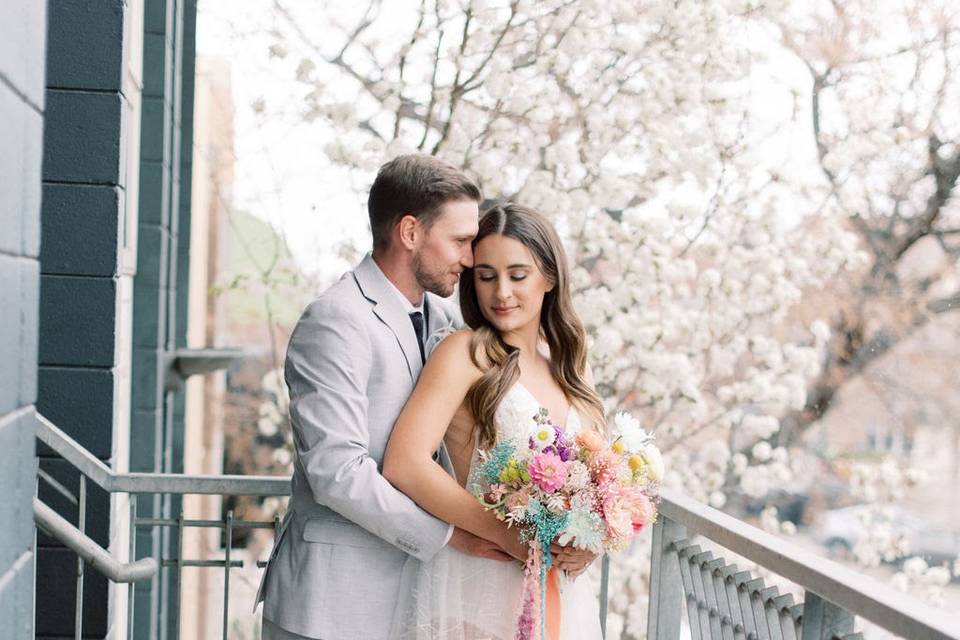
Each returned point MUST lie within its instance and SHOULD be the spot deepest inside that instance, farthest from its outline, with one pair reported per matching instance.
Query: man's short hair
(416, 184)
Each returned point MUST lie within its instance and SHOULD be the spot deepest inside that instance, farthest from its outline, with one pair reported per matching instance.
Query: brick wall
(87, 261)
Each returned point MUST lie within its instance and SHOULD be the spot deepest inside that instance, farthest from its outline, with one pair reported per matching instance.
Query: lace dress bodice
(514, 416)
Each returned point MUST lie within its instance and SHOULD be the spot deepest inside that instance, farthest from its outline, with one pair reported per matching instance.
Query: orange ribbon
(553, 604)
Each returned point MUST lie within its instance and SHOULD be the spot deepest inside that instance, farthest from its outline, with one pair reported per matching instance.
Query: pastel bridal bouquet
(589, 491)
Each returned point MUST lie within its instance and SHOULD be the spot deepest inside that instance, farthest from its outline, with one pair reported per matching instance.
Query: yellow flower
(513, 473)
(618, 447)
(637, 463)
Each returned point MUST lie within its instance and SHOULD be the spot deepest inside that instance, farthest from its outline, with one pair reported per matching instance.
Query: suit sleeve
(327, 368)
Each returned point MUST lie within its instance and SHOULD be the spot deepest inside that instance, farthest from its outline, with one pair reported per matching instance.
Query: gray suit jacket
(352, 362)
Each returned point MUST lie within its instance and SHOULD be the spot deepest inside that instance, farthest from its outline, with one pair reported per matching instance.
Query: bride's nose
(504, 291)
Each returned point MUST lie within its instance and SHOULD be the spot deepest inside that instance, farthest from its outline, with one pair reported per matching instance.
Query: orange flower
(590, 440)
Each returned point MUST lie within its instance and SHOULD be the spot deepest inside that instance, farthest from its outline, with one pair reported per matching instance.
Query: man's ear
(409, 230)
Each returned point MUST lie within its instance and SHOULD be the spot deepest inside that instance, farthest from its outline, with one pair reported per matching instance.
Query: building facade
(96, 102)
(22, 103)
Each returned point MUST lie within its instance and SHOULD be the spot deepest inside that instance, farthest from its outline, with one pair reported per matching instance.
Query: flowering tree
(886, 129)
(699, 221)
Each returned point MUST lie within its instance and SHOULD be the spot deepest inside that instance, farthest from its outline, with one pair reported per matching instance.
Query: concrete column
(22, 45)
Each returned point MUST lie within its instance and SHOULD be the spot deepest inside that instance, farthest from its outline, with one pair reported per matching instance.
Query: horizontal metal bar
(92, 553)
(200, 563)
(211, 524)
(182, 484)
(890, 609)
(172, 483)
(59, 488)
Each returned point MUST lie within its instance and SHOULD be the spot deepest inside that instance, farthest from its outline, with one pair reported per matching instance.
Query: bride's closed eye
(515, 277)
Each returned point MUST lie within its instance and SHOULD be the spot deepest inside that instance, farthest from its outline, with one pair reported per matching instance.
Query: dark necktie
(417, 319)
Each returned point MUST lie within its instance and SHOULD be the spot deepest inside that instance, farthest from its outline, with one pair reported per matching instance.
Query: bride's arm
(408, 464)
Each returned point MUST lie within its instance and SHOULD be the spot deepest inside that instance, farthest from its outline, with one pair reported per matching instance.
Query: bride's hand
(466, 542)
(571, 559)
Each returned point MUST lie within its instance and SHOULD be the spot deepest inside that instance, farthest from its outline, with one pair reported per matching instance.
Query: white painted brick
(12, 111)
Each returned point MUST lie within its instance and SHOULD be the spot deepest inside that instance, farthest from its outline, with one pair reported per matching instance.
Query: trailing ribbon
(540, 614)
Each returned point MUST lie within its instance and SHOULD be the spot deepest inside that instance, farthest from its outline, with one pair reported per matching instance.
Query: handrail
(893, 610)
(92, 553)
(864, 596)
(174, 483)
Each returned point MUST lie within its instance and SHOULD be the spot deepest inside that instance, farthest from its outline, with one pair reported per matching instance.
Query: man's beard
(431, 281)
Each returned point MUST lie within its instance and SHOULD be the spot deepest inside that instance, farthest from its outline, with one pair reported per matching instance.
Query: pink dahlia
(548, 471)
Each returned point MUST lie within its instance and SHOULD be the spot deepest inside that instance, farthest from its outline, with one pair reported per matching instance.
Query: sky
(282, 174)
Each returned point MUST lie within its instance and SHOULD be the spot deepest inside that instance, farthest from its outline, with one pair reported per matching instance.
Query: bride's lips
(502, 311)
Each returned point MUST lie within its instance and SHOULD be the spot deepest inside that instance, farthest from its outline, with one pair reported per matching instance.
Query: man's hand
(572, 560)
(466, 542)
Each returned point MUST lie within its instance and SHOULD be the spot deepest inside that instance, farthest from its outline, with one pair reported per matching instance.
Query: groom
(353, 360)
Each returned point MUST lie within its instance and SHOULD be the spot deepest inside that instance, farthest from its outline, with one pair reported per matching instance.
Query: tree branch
(433, 80)
(945, 173)
(407, 109)
(402, 66)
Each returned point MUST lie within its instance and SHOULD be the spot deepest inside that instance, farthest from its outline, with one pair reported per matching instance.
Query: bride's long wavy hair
(560, 325)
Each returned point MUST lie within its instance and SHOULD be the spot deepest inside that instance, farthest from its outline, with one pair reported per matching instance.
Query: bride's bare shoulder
(453, 355)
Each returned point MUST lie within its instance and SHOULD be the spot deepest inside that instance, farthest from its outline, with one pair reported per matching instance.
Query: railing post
(82, 526)
(666, 593)
(822, 620)
(226, 573)
(131, 589)
(179, 603)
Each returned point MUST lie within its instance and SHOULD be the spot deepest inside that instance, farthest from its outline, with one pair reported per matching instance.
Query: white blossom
(632, 127)
(762, 450)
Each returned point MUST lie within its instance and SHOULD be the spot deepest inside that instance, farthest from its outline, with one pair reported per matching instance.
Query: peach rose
(590, 440)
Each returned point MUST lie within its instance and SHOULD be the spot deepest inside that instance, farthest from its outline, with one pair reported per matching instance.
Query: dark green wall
(83, 215)
(160, 287)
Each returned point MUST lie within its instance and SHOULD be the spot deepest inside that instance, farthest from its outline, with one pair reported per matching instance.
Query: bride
(525, 350)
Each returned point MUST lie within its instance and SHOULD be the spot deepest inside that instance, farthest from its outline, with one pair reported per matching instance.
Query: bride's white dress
(461, 597)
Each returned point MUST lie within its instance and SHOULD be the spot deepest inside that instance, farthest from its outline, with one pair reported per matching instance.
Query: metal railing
(89, 551)
(134, 484)
(721, 602)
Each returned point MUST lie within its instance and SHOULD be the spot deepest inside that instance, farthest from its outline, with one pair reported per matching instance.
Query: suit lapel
(376, 288)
